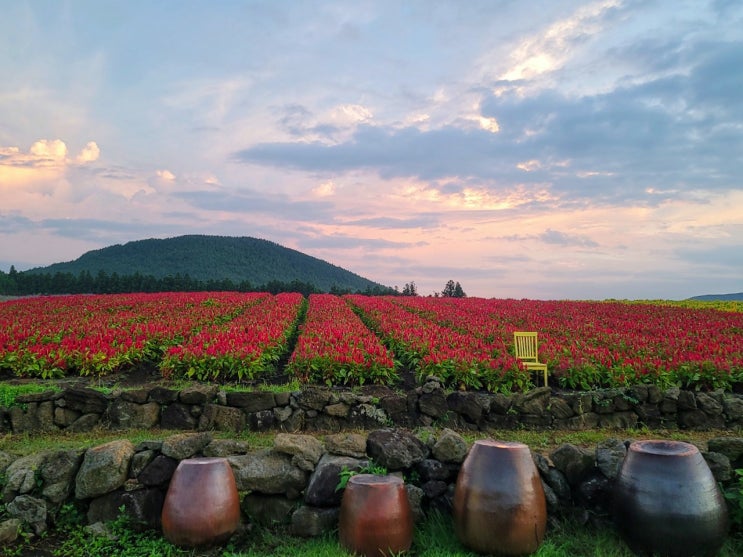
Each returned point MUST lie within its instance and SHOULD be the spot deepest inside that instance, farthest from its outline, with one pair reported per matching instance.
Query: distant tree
(453, 290)
(410, 289)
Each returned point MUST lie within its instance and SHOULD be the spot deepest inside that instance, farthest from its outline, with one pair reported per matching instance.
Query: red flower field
(227, 336)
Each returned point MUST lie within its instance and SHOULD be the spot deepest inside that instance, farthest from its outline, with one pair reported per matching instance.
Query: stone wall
(294, 481)
(207, 407)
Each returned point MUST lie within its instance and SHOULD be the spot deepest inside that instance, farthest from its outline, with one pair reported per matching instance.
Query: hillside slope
(206, 258)
(738, 296)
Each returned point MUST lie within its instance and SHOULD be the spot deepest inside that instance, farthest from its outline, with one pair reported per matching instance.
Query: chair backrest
(526, 345)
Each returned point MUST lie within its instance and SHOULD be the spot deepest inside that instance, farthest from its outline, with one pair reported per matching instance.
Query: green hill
(738, 296)
(212, 258)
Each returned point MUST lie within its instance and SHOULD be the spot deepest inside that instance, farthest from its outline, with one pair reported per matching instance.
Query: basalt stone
(163, 395)
(313, 398)
(185, 445)
(638, 392)
(138, 396)
(129, 415)
(541, 462)
(58, 472)
(321, 490)
(450, 447)
(733, 407)
(610, 455)
(305, 450)
(576, 463)
(282, 414)
(415, 498)
(268, 510)
(431, 469)
(178, 416)
(158, 472)
(595, 492)
(222, 418)
(313, 521)
(589, 420)
(470, 405)
(551, 498)
(500, 404)
(85, 401)
(20, 475)
(559, 484)
(687, 401)
(434, 488)
(64, 417)
(339, 410)
(143, 506)
(198, 394)
(85, 423)
(700, 420)
(396, 407)
(323, 422)
(560, 409)
(346, 444)
(268, 472)
(262, 420)
(251, 402)
(395, 449)
(433, 404)
(104, 469)
(719, 465)
(499, 421)
(649, 414)
(139, 461)
(731, 447)
(708, 404)
(580, 403)
(282, 398)
(9, 530)
(618, 420)
(30, 510)
(367, 416)
(533, 402)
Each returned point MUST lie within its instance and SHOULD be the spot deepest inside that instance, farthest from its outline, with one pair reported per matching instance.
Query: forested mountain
(738, 296)
(197, 261)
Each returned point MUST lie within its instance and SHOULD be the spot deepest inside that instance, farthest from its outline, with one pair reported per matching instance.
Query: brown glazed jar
(202, 506)
(667, 502)
(499, 503)
(375, 516)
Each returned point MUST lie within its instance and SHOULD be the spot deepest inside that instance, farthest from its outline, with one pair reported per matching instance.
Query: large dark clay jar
(375, 517)
(202, 506)
(499, 503)
(666, 501)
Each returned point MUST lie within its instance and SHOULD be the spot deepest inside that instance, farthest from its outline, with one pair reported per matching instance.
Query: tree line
(28, 284)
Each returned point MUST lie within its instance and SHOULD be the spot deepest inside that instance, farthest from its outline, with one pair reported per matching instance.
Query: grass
(9, 392)
(433, 538)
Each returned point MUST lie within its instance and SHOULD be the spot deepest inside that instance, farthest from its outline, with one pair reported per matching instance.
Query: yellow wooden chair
(527, 351)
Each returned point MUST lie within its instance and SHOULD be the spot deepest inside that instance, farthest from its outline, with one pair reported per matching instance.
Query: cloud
(555, 237)
(45, 161)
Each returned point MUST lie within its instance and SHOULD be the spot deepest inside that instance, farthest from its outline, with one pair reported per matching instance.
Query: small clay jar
(202, 506)
(375, 516)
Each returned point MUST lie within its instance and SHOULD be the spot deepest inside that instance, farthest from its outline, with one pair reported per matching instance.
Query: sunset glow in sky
(527, 149)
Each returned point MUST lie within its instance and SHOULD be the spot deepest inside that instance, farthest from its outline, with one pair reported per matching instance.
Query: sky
(525, 149)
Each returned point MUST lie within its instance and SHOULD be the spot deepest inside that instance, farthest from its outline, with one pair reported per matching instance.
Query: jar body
(202, 506)
(667, 502)
(499, 502)
(375, 516)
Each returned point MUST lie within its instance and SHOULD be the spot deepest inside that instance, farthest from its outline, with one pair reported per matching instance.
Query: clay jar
(202, 506)
(667, 502)
(375, 516)
(499, 503)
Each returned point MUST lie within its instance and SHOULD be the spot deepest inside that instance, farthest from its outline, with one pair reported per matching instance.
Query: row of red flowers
(334, 346)
(431, 347)
(246, 346)
(53, 336)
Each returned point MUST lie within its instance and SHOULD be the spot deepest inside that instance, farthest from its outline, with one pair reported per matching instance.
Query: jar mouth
(500, 444)
(203, 460)
(664, 448)
(374, 479)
